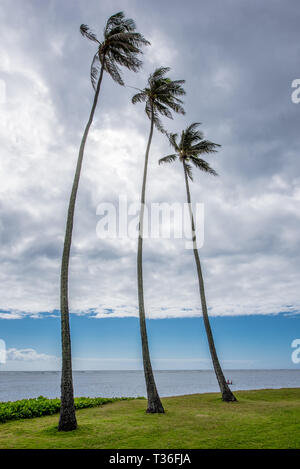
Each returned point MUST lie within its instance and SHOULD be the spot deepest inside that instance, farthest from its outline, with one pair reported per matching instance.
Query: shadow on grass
(53, 431)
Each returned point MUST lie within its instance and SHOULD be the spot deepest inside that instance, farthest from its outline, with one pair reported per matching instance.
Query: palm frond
(161, 97)
(95, 70)
(133, 39)
(158, 74)
(86, 32)
(205, 146)
(166, 92)
(129, 24)
(163, 110)
(139, 97)
(168, 159)
(120, 47)
(189, 171)
(118, 23)
(114, 21)
(113, 70)
(193, 127)
(128, 60)
(157, 122)
(190, 135)
(176, 107)
(173, 141)
(148, 109)
(170, 87)
(203, 166)
(191, 144)
(123, 47)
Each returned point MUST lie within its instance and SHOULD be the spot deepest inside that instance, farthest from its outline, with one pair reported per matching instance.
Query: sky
(239, 60)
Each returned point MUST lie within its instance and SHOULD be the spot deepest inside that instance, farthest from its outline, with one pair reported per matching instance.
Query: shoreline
(165, 397)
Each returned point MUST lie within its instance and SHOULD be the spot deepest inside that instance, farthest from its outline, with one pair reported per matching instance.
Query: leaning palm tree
(120, 46)
(160, 98)
(190, 146)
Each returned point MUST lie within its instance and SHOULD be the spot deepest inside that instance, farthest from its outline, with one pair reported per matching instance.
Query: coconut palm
(120, 46)
(190, 146)
(160, 98)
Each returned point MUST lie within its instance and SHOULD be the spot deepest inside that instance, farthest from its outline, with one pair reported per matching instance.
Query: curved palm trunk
(67, 420)
(227, 395)
(154, 403)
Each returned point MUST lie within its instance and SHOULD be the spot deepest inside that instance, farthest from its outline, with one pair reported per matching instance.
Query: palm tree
(120, 46)
(190, 146)
(160, 97)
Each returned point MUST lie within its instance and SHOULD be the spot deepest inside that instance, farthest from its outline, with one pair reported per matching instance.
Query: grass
(260, 419)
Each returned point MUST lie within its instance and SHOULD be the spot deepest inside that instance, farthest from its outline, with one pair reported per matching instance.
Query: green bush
(29, 408)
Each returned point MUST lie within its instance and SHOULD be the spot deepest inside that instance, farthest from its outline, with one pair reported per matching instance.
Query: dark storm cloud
(239, 59)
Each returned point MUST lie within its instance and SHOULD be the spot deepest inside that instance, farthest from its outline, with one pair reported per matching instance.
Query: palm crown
(190, 146)
(161, 96)
(120, 46)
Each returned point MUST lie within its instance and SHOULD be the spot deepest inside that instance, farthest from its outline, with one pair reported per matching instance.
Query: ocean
(16, 385)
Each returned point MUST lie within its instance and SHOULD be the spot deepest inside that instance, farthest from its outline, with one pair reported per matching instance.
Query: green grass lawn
(260, 419)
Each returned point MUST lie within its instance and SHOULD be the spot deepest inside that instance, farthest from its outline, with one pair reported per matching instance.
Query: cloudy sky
(239, 59)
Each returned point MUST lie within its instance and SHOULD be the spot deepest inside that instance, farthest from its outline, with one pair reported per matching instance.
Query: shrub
(29, 408)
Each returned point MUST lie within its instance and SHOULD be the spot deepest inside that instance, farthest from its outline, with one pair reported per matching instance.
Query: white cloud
(26, 354)
(226, 79)
(30, 360)
(162, 51)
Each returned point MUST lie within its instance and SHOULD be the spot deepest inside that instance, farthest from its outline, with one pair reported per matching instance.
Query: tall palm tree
(160, 98)
(190, 146)
(120, 46)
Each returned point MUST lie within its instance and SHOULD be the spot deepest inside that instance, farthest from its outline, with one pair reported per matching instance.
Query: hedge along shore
(37, 407)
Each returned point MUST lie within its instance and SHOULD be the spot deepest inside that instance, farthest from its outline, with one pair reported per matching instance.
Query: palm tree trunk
(154, 403)
(227, 395)
(67, 419)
